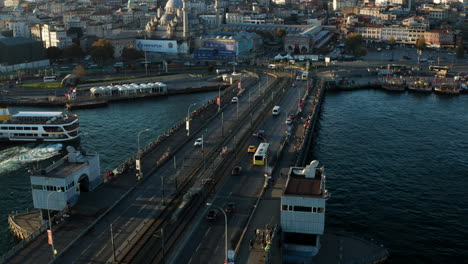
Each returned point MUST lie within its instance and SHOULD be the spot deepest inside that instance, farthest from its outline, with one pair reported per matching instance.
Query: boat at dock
(38, 126)
(447, 88)
(395, 85)
(420, 86)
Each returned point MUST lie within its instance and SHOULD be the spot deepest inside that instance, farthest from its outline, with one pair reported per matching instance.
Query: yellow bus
(261, 154)
(305, 76)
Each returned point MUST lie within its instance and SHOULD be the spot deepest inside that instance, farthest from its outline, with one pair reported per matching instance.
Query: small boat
(38, 126)
(447, 88)
(420, 86)
(395, 85)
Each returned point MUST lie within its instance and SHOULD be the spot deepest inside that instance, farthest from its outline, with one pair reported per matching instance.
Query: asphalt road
(145, 201)
(206, 242)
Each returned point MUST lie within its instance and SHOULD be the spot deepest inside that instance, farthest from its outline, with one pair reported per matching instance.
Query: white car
(298, 78)
(235, 100)
(198, 142)
(288, 121)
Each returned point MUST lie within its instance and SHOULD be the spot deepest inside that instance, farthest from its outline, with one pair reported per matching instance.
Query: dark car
(236, 171)
(261, 134)
(230, 208)
(291, 116)
(212, 215)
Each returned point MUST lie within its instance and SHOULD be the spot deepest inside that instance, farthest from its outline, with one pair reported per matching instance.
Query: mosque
(177, 21)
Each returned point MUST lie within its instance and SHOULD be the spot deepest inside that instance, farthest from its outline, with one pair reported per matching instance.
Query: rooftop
(16, 41)
(306, 181)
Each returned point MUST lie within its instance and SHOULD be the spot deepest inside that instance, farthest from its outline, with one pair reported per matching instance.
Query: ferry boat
(447, 88)
(38, 126)
(420, 86)
(395, 85)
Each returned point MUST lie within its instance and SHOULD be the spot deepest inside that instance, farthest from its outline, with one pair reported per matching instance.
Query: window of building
(321, 210)
(284, 207)
(302, 209)
(37, 187)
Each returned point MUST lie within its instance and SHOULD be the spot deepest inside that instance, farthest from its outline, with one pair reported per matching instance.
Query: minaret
(218, 22)
(129, 4)
(184, 19)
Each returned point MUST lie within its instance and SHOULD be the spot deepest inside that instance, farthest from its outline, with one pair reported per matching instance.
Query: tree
(7, 33)
(73, 51)
(420, 43)
(459, 50)
(102, 50)
(130, 53)
(280, 33)
(353, 43)
(79, 71)
(391, 41)
(54, 53)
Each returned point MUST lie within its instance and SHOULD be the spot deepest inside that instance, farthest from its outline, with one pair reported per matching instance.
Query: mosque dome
(173, 4)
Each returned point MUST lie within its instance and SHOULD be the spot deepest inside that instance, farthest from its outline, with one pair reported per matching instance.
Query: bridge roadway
(205, 240)
(145, 202)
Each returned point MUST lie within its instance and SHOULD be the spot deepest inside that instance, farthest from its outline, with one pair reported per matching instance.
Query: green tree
(391, 41)
(130, 53)
(420, 43)
(353, 43)
(7, 33)
(459, 50)
(102, 50)
(280, 33)
(73, 51)
(54, 53)
(79, 71)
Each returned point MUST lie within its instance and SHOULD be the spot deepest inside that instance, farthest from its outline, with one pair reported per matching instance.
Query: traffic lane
(99, 249)
(242, 190)
(250, 184)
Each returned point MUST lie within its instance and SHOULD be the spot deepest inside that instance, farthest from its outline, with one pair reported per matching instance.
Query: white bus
(50, 78)
(261, 154)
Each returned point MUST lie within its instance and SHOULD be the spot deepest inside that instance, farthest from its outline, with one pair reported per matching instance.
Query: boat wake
(15, 157)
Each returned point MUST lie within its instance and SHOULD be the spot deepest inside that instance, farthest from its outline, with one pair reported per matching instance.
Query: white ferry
(38, 126)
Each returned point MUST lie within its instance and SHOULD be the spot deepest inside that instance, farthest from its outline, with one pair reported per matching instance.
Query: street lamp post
(188, 119)
(219, 98)
(50, 226)
(137, 160)
(138, 138)
(225, 229)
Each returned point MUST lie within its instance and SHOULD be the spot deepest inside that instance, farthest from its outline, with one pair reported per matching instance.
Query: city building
(439, 38)
(228, 47)
(16, 50)
(55, 36)
(307, 41)
(20, 28)
(303, 213)
(174, 23)
(59, 186)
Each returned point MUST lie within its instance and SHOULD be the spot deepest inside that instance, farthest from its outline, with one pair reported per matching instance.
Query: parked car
(235, 100)
(230, 208)
(198, 142)
(291, 116)
(236, 171)
(288, 121)
(212, 215)
(252, 149)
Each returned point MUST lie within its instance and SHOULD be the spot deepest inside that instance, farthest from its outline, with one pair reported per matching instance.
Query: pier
(154, 214)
